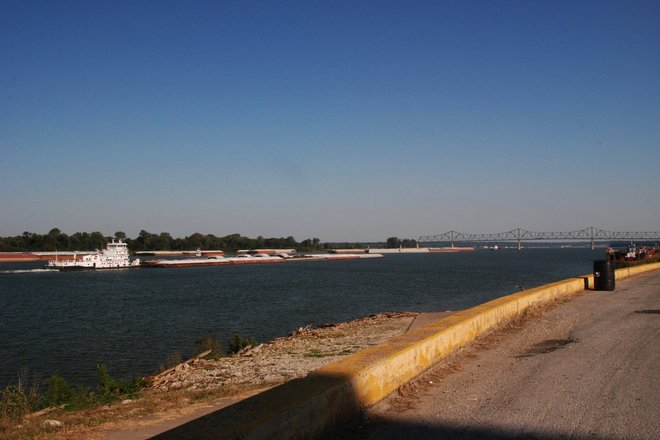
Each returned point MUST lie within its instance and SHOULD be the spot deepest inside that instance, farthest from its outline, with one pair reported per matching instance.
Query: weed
(238, 342)
(172, 360)
(209, 342)
(18, 400)
(14, 403)
(315, 353)
(59, 392)
(112, 388)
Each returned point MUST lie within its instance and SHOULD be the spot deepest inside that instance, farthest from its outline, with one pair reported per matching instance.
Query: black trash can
(603, 275)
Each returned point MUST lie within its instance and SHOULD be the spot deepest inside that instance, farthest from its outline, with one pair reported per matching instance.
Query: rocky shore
(286, 358)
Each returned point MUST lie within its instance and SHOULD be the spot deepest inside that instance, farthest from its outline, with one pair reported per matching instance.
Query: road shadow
(300, 408)
(420, 431)
(325, 406)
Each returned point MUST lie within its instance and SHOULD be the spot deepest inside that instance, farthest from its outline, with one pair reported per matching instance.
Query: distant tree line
(396, 242)
(56, 240)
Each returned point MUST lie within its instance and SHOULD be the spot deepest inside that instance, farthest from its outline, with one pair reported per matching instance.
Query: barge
(252, 259)
(187, 262)
(217, 260)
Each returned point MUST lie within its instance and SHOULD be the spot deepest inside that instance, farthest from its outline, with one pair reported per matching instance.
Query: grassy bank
(30, 408)
(25, 402)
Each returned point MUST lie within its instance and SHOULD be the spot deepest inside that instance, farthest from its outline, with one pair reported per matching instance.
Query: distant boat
(114, 256)
(494, 248)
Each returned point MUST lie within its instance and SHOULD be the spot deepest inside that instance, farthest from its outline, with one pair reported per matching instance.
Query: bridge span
(518, 235)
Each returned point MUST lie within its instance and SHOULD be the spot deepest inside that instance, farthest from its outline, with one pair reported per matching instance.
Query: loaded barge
(253, 259)
(217, 260)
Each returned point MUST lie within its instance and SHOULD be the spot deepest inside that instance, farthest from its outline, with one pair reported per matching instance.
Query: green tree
(164, 242)
(393, 242)
(143, 241)
(197, 240)
(260, 242)
(50, 240)
(408, 243)
(97, 240)
(27, 240)
(290, 242)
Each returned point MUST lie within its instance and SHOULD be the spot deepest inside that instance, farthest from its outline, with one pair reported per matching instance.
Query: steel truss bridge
(519, 235)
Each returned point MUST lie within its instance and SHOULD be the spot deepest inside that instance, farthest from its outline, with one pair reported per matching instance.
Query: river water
(132, 320)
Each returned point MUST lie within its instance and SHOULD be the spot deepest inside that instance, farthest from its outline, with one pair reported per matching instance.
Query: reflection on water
(58, 322)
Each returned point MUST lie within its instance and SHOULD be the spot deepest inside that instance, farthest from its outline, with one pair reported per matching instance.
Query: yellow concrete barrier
(305, 408)
(376, 372)
(626, 272)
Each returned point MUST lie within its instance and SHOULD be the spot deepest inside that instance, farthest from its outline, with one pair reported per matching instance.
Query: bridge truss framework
(518, 235)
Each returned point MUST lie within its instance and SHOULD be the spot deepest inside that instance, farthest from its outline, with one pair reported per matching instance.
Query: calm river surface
(132, 320)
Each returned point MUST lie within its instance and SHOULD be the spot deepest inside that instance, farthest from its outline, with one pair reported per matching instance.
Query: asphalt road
(588, 368)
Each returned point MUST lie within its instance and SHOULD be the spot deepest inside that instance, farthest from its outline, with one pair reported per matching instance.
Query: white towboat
(114, 256)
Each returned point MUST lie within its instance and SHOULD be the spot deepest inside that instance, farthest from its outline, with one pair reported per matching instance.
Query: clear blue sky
(343, 120)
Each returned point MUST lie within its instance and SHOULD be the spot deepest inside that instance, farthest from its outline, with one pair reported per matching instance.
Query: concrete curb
(305, 408)
(626, 272)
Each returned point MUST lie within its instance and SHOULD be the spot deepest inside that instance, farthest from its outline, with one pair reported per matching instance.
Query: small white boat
(114, 256)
